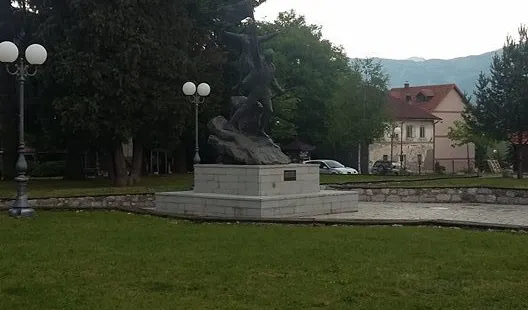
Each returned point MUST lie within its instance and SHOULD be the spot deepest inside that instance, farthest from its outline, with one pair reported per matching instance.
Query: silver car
(328, 166)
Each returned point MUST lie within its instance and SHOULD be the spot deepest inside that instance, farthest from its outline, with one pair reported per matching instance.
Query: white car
(327, 166)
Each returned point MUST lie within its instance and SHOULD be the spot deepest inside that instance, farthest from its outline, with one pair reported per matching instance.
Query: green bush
(48, 169)
(439, 169)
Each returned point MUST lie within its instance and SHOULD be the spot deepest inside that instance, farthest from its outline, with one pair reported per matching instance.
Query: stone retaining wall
(95, 202)
(480, 195)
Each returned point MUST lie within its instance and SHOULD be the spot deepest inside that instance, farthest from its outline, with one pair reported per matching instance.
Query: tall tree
(465, 132)
(357, 115)
(117, 72)
(309, 68)
(501, 108)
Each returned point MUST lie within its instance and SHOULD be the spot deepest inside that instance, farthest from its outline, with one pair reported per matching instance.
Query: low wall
(95, 202)
(480, 195)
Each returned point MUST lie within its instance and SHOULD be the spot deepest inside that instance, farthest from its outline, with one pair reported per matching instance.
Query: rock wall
(445, 195)
(95, 202)
(479, 195)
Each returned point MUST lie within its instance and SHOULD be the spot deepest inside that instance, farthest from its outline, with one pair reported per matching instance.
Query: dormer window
(424, 95)
(421, 97)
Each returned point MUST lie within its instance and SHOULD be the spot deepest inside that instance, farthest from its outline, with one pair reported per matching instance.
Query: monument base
(235, 206)
(256, 192)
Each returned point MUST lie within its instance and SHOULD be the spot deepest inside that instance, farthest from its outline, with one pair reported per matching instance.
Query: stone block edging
(455, 195)
(95, 202)
(451, 194)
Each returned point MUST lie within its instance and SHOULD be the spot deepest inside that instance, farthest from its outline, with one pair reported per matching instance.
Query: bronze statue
(248, 51)
(244, 139)
(232, 14)
(259, 81)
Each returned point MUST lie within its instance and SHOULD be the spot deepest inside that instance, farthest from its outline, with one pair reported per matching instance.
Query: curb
(304, 221)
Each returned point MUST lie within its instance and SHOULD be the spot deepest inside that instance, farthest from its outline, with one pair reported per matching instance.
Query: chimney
(408, 98)
(406, 85)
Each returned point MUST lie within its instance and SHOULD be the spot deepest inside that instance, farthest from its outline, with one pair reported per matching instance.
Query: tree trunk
(180, 159)
(519, 161)
(119, 165)
(109, 165)
(137, 161)
(10, 156)
(10, 140)
(74, 160)
(518, 154)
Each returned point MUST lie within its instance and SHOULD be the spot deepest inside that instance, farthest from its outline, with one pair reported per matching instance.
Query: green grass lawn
(366, 178)
(113, 260)
(464, 182)
(39, 188)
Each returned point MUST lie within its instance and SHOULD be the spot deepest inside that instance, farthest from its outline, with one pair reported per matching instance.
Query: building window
(409, 130)
(422, 132)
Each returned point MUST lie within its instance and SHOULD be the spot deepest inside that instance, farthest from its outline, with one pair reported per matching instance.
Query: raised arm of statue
(267, 37)
(277, 86)
(232, 35)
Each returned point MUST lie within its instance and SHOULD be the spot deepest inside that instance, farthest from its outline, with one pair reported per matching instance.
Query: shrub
(439, 168)
(48, 169)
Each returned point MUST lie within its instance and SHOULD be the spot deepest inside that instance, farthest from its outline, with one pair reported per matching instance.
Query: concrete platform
(281, 206)
(267, 191)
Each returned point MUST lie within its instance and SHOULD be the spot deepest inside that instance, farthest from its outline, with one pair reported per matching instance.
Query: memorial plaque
(290, 175)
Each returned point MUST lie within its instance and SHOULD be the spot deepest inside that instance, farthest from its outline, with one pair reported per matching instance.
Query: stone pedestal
(256, 191)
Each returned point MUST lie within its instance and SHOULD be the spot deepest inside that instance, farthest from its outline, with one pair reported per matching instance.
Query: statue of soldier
(259, 83)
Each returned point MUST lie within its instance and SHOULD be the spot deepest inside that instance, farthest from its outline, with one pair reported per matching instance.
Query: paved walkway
(470, 212)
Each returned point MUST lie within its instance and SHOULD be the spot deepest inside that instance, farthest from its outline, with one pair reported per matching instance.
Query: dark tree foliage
(309, 67)
(115, 71)
(501, 108)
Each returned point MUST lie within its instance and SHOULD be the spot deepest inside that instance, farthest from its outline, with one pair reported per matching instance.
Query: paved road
(481, 213)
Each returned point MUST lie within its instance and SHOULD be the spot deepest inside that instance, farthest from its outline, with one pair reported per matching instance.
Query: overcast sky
(401, 29)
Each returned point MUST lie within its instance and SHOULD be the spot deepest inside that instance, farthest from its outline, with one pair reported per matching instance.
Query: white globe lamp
(8, 52)
(36, 54)
(204, 89)
(189, 89)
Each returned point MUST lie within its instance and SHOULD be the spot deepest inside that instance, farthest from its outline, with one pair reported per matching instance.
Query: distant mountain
(463, 71)
(417, 59)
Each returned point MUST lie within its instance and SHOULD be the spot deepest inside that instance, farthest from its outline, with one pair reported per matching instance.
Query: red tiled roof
(436, 92)
(400, 110)
(427, 92)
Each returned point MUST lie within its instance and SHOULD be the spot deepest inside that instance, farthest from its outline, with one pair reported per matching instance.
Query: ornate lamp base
(21, 212)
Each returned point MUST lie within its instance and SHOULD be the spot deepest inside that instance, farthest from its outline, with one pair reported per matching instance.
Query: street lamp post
(196, 96)
(395, 132)
(35, 55)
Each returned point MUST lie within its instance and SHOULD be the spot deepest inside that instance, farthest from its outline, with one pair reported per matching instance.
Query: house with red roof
(445, 105)
(411, 136)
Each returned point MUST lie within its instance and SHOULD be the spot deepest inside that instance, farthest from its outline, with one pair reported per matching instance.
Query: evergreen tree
(501, 108)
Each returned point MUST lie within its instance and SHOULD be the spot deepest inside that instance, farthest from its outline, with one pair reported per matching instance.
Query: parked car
(385, 167)
(327, 166)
